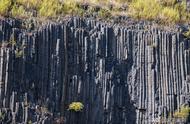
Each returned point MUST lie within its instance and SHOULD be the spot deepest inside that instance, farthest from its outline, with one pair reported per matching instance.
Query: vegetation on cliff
(76, 106)
(183, 112)
(163, 11)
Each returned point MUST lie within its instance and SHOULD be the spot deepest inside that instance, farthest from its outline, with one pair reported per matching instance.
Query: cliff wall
(123, 74)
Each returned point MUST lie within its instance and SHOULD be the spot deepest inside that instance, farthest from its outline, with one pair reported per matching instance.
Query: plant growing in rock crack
(29, 122)
(18, 53)
(183, 113)
(1, 116)
(76, 106)
(59, 120)
(187, 34)
(45, 111)
(19, 47)
(12, 41)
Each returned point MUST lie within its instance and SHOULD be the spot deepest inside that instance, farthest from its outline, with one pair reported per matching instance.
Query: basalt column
(123, 74)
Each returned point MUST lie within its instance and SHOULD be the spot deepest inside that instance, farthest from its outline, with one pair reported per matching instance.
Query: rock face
(122, 74)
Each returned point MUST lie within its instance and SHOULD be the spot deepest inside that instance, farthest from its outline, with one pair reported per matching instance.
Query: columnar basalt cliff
(123, 74)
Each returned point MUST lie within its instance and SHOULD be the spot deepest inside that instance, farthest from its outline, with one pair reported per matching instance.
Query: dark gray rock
(122, 74)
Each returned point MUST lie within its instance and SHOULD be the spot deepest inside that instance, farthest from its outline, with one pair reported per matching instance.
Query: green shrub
(104, 13)
(170, 15)
(29, 122)
(29, 3)
(167, 11)
(12, 41)
(187, 34)
(98, 1)
(145, 9)
(76, 106)
(184, 15)
(5, 6)
(18, 11)
(50, 8)
(80, 11)
(18, 53)
(1, 115)
(70, 7)
(183, 112)
(123, 1)
(168, 2)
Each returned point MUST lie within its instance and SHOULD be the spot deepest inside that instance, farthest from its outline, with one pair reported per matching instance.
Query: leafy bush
(1, 115)
(50, 8)
(184, 112)
(29, 122)
(80, 12)
(145, 9)
(98, 1)
(5, 6)
(76, 106)
(187, 34)
(170, 15)
(18, 11)
(123, 1)
(184, 15)
(70, 7)
(18, 53)
(104, 13)
(168, 11)
(29, 3)
(168, 2)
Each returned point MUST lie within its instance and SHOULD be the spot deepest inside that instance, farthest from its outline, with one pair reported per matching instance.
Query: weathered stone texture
(122, 74)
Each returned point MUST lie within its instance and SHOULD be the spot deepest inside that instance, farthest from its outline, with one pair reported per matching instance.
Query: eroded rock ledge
(122, 74)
